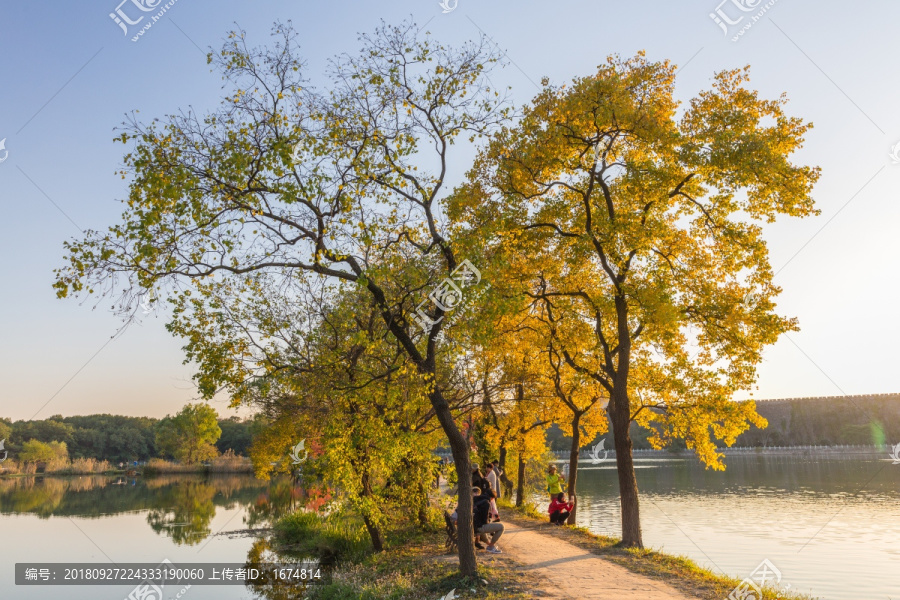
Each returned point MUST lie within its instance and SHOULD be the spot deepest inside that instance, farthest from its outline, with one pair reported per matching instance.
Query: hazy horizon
(246, 413)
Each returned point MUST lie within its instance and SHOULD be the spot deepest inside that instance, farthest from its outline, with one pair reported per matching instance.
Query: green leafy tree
(43, 452)
(190, 436)
(284, 185)
(103, 437)
(112, 437)
(345, 388)
(45, 430)
(236, 436)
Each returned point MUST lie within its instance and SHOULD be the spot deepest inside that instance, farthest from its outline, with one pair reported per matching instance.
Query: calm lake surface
(831, 526)
(103, 519)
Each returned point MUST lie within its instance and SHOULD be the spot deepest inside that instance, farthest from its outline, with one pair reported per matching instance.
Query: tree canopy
(319, 268)
(115, 438)
(43, 452)
(190, 435)
(642, 230)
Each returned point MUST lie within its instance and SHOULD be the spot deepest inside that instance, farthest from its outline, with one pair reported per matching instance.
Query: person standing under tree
(492, 478)
(502, 479)
(555, 482)
(494, 482)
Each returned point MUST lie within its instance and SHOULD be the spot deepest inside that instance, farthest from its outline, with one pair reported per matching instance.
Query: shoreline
(130, 473)
(825, 452)
(417, 565)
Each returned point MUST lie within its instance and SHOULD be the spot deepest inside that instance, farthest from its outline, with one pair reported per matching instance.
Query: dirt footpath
(563, 570)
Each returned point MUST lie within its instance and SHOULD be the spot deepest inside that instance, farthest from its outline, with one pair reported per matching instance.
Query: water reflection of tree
(184, 511)
(261, 553)
(178, 506)
(84, 496)
(274, 502)
(37, 495)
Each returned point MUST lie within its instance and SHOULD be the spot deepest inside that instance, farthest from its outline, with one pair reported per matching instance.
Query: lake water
(148, 520)
(830, 526)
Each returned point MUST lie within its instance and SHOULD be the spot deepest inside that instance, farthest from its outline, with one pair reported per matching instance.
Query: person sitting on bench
(481, 507)
(454, 517)
(559, 509)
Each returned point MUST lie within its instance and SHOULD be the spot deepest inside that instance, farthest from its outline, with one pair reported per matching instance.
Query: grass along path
(539, 560)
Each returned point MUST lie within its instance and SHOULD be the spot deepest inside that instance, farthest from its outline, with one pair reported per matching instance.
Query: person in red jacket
(559, 509)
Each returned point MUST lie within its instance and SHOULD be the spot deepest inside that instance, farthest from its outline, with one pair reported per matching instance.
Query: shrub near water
(227, 463)
(80, 466)
(336, 538)
(158, 465)
(13, 467)
(230, 463)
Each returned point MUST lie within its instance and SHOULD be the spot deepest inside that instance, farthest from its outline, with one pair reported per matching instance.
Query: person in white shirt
(492, 478)
(499, 473)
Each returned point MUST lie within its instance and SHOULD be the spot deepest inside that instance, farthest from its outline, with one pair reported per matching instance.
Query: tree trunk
(620, 417)
(520, 484)
(423, 517)
(504, 478)
(459, 447)
(573, 463)
(375, 534)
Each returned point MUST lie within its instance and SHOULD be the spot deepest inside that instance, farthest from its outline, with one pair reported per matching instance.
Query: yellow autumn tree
(516, 399)
(578, 408)
(644, 219)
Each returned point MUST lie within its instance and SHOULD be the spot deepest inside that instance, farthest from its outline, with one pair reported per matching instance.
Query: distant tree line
(118, 438)
(827, 421)
(854, 420)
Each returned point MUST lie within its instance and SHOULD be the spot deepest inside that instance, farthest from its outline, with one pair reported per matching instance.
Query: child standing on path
(554, 482)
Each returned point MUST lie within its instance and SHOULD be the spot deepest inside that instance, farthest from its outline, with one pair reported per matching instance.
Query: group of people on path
(485, 516)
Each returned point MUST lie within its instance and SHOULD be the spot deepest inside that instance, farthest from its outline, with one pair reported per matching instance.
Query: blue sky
(69, 75)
